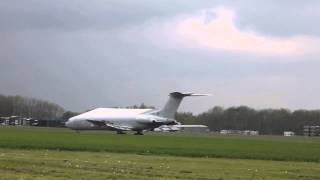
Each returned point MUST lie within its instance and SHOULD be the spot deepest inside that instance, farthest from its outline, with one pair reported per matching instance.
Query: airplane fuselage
(118, 120)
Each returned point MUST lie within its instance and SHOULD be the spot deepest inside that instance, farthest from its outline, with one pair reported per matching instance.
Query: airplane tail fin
(172, 105)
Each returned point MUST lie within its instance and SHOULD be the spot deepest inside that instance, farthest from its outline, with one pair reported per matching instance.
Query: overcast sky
(84, 54)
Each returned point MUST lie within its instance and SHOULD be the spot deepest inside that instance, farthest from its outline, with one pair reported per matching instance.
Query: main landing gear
(121, 132)
(138, 133)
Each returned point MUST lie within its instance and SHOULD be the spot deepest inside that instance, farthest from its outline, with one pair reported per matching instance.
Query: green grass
(52, 164)
(241, 147)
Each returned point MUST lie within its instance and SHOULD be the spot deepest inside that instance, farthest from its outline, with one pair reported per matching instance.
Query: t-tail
(172, 105)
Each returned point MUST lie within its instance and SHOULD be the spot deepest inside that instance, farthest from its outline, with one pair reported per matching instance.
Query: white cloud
(215, 29)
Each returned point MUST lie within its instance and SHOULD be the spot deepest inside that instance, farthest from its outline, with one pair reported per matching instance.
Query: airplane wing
(110, 125)
(118, 127)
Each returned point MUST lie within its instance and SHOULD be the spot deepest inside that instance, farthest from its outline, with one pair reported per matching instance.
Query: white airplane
(121, 120)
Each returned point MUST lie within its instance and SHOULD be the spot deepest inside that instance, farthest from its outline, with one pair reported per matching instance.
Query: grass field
(51, 164)
(266, 148)
(54, 153)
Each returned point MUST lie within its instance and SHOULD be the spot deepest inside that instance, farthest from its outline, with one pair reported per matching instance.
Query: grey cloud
(283, 18)
(78, 15)
(84, 71)
(73, 53)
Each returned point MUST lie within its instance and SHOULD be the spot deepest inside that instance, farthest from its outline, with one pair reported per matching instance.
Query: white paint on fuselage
(112, 112)
(121, 117)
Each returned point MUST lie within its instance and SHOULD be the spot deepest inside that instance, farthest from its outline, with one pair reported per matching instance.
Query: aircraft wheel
(138, 133)
(121, 132)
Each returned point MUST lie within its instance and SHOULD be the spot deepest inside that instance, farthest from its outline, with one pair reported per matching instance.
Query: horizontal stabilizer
(194, 94)
(180, 95)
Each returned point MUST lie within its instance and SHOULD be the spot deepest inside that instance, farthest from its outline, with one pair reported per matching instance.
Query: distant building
(288, 133)
(311, 130)
(13, 120)
(2, 120)
(183, 128)
(23, 121)
(250, 132)
(239, 132)
(230, 131)
(194, 128)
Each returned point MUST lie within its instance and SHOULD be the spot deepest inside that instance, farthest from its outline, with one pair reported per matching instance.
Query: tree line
(266, 121)
(29, 107)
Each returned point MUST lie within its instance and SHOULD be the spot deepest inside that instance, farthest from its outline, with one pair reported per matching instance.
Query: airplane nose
(69, 123)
